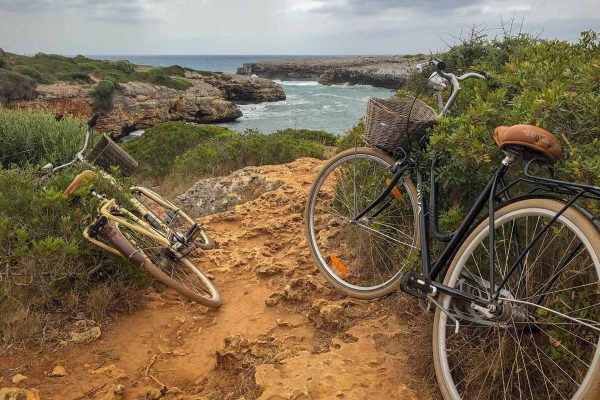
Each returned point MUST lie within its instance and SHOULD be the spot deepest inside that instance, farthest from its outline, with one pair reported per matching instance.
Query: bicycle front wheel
(362, 259)
(543, 344)
(169, 215)
(180, 274)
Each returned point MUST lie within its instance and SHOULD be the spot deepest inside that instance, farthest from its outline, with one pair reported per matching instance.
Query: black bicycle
(516, 307)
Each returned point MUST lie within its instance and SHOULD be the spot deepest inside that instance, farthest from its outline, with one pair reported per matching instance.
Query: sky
(275, 26)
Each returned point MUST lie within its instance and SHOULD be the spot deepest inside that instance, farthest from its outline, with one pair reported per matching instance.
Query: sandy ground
(282, 332)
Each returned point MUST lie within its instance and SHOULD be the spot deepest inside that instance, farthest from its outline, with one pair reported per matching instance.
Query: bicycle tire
(204, 241)
(136, 254)
(406, 188)
(589, 236)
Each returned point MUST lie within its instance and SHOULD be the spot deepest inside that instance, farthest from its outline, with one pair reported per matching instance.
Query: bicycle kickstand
(442, 309)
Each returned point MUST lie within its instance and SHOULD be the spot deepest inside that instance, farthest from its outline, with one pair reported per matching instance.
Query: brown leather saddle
(530, 137)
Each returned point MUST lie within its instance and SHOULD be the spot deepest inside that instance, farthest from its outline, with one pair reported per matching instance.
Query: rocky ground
(382, 71)
(212, 98)
(282, 332)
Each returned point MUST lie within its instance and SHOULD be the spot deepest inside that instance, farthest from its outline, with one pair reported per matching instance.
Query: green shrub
(229, 151)
(37, 138)
(173, 70)
(29, 71)
(123, 66)
(15, 86)
(157, 148)
(549, 83)
(79, 69)
(45, 262)
(352, 138)
(158, 77)
(325, 138)
(102, 96)
(183, 151)
(74, 76)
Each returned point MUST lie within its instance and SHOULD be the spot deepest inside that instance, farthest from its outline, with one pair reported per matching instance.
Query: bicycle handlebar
(440, 69)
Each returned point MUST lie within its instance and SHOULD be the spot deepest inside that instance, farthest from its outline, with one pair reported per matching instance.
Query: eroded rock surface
(382, 71)
(139, 105)
(214, 195)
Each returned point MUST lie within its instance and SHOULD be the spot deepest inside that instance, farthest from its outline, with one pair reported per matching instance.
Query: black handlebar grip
(92, 122)
(438, 64)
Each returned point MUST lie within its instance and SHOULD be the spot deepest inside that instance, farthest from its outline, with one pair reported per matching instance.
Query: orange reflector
(339, 265)
(395, 191)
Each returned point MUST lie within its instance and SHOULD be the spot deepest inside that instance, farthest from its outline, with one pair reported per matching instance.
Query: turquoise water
(308, 105)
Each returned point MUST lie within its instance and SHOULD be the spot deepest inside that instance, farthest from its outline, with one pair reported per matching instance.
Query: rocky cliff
(212, 98)
(382, 71)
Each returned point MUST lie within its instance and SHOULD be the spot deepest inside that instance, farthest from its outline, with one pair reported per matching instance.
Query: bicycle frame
(496, 189)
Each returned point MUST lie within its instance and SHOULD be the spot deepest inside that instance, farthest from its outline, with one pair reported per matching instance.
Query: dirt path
(281, 333)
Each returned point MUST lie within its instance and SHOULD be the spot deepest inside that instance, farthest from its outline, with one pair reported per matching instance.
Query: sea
(308, 105)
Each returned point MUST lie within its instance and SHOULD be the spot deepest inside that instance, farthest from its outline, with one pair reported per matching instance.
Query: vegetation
(16, 86)
(20, 74)
(46, 264)
(549, 83)
(182, 151)
(38, 138)
(102, 96)
(50, 274)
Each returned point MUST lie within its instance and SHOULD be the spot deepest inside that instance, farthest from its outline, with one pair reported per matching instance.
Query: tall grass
(36, 138)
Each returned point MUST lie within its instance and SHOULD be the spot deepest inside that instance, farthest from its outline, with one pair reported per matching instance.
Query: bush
(158, 77)
(183, 151)
(37, 138)
(29, 71)
(15, 86)
(549, 83)
(51, 68)
(173, 70)
(45, 263)
(102, 96)
(322, 137)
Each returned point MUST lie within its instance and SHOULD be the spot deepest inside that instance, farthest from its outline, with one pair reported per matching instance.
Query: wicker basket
(391, 124)
(107, 154)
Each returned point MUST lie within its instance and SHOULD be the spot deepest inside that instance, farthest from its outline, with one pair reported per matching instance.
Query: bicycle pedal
(417, 285)
(97, 226)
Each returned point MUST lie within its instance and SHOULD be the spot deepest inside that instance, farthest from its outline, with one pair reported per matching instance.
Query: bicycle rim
(363, 259)
(175, 220)
(180, 274)
(534, 350)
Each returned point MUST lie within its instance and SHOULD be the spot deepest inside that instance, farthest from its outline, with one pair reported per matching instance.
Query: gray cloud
(376, 7)
(104, 10)
(272, 26)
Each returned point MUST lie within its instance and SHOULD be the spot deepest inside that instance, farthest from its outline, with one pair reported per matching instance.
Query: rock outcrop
(242, 89)
(214, 195)
(212, 98)
(382, 71)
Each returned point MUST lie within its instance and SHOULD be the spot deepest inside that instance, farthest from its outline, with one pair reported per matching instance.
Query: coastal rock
(139, 105)
(242, 89)
(387, 75)
(214, 195)
(382, 71)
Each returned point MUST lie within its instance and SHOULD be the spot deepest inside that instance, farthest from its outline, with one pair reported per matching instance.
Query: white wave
(297, 83)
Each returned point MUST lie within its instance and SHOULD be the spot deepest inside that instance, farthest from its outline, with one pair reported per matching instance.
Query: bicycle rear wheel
(544, 343)
(180, 274)
(363, 259)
